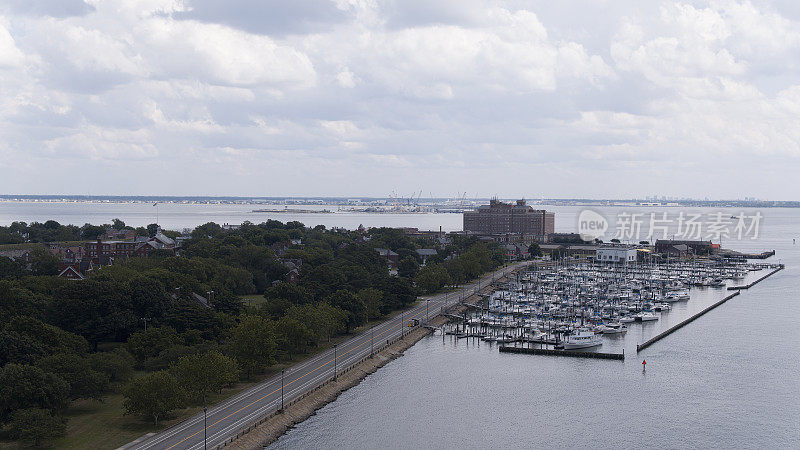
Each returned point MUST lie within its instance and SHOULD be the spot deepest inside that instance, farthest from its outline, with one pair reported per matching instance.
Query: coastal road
(230, 416)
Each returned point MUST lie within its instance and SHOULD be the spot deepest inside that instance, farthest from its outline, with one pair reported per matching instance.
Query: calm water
(728, 380)
(176, 216)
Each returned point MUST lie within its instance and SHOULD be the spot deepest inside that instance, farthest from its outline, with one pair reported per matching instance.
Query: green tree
(10, 268)
(372, 299)
(93, 309)
(535, 250)
(92, 232)
(84, 382)
(292, 334)
(117, 224)
(202, 374)
(152, 229)
(148, 297)
(154, 395)
(25, 340)
(288, 291)
(117, 364)
(43, 262)
(151, 342)
(30, 387)
(326, 320)
(350, 304)
(432, 277)
(398, 293)
(456, 271)
(407, 267)
(35, 425)
(252, 344)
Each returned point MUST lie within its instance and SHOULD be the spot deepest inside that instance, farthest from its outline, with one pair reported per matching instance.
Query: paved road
(237, 412)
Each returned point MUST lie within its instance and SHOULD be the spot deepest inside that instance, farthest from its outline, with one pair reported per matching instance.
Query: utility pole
(205, 421)
(334, 362)
(372, 341)
(282, 372)
(402, 324)
(427, 319)
(145, 319)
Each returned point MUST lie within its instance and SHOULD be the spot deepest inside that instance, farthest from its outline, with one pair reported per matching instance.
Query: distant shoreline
(384, 201)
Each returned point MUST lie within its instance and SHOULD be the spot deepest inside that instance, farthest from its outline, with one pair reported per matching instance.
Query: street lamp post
(334, 362)
(372, 341)
(402, 324)
(427, 319)
(282, 372)
(205, 421)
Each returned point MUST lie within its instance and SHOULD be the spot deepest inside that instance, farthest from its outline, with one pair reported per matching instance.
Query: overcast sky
(599, 99)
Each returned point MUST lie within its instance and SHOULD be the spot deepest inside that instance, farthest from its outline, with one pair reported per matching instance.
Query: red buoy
(644, 361)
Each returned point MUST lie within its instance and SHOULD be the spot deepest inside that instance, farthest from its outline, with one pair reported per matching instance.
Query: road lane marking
(446, 297)
(278, 389)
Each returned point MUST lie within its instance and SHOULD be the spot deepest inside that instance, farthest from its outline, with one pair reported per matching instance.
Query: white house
(616, 254)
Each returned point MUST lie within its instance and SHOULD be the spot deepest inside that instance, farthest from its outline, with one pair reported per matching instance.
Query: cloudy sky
(364, 97)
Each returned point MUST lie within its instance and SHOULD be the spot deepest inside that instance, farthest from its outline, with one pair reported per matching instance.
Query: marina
(584, 307)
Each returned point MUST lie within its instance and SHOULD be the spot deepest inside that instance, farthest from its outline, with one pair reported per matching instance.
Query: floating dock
(572, 353)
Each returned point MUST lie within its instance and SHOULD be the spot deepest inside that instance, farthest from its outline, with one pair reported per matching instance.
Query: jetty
(748, 286)
(568, 353)
(675, 328)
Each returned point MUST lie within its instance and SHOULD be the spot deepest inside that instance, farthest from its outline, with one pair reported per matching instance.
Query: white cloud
(224, 55)
(367, 96)
(10, 55)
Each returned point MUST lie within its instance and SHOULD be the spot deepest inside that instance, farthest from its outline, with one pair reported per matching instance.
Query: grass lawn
(20, 246)
(103, 425)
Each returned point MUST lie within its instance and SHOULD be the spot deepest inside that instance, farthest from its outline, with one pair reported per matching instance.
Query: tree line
(52, 231)
(138, 328)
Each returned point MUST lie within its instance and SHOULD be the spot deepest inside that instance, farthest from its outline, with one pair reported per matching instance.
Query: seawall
(271, 427)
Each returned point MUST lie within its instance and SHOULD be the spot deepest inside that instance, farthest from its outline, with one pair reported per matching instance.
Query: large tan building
(504, 218)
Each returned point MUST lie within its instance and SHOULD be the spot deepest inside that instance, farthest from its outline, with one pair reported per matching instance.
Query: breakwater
(738, 290)
(674, 328)
(748, 286)
(569, 353)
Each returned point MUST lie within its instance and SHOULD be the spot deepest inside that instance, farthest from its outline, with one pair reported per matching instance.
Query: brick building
(499, 218)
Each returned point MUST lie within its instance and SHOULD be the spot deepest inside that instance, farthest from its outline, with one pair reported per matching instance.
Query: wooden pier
(748, 286)
(571, 353)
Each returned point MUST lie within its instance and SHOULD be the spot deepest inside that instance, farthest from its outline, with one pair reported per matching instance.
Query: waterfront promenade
(232, 415)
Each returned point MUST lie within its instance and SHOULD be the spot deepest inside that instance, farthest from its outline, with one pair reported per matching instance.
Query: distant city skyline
(367, 199)
(508, 98)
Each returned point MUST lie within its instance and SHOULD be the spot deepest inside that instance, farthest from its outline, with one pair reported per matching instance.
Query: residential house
(71, 272)
(20, 255)
(392, 258)
(426, 253)
(70, 254)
